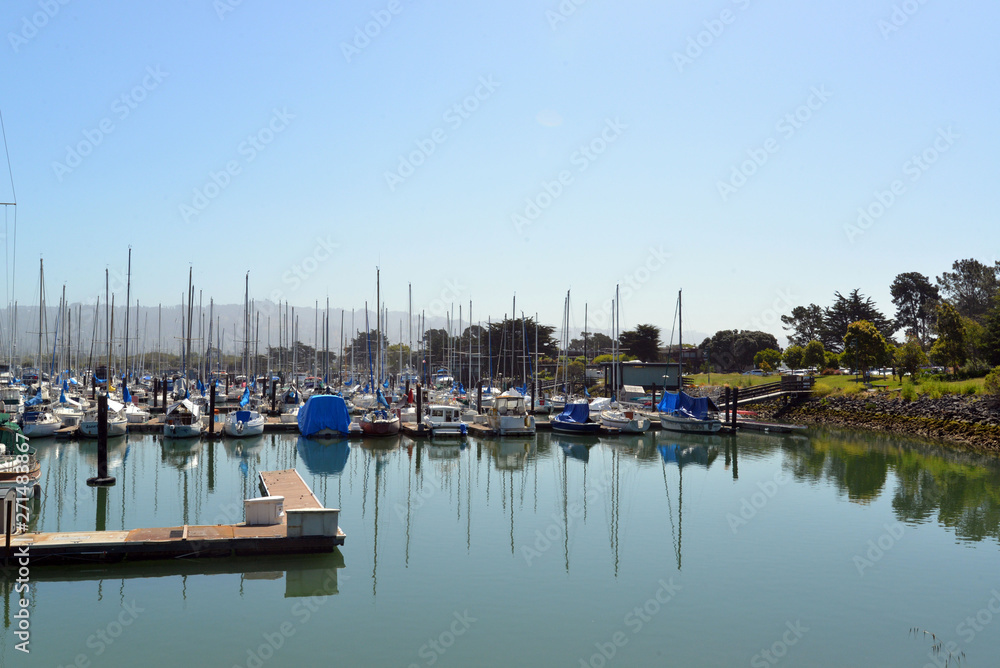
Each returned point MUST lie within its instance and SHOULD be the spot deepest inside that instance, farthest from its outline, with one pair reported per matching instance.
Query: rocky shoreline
(972, 421)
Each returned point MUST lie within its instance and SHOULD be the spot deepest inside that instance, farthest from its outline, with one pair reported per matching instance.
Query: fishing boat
(324, 416)
(444, 420)
(508, 415)
(575, 419)
(12, 399)
(183, 420)
(117, 422)
(679, 411)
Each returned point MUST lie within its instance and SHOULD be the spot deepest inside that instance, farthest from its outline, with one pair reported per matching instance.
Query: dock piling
(211, 409)
(102, 477)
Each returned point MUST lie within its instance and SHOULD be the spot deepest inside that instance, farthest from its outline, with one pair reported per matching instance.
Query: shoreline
(971, 422)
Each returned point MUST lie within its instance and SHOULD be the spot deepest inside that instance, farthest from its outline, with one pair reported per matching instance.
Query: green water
(815, 550)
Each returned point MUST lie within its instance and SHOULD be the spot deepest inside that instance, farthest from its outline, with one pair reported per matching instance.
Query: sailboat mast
(680, 343)
(128, 300)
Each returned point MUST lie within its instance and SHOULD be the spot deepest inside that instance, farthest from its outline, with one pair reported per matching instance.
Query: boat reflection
(323, 457)
(181, 453)
(510, 454)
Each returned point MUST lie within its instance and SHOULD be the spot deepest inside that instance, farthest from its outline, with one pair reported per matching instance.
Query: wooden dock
(304, 527)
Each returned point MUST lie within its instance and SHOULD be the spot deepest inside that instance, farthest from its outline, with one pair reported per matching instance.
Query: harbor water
(822, 548)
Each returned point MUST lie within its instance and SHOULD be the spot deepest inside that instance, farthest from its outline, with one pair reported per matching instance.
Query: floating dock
(303, 527)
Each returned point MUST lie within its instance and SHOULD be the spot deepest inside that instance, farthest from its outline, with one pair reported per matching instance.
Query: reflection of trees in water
(961, 488)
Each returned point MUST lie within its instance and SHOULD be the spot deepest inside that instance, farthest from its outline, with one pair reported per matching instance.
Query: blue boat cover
(245, 399)
(35, 400)
(575, 413)
(324, 411)
(381, 398)
(243, 416)
(696, 407)
(126, 395)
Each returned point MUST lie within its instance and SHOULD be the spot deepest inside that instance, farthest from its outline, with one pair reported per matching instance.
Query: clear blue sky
(331, 114)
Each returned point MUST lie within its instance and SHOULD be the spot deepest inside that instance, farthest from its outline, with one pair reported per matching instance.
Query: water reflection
(962, 489)
(323, 457)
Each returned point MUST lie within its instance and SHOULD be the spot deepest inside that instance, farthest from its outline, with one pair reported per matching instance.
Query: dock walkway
(304, 527)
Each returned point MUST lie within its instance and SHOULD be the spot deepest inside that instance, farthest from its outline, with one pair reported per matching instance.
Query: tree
(793, 357)
(910, 357)
(767, 359)
(867, 345)
(975, 340)
(970, 287)
(814, 355)
(914, 297)
(949, 349)
(732, 350)
(806, 323)
(643, 342)
(855, 307)
(991, 337)
(594, 342)
(831, 360)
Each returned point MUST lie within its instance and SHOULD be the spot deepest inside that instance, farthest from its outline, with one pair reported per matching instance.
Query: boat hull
(564, 427)
(88, 428)
(689, 425)
(379, 427)
(41, 429)
(243, 429)
(174, 430)
(512, 425)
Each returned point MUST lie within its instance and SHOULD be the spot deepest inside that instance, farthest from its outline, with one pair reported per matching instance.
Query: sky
(757, 156)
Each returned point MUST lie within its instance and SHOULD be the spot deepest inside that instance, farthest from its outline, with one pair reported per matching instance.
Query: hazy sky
(477, 150)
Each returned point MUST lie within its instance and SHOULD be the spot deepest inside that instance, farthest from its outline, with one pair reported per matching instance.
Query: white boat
(244, 422)
(291, 401)
(117, 422)
(183, 420)
(39, 423)
(629, 422)
(136, 415)
(444, 420)
(679, 411)
(13, 400)
(508, 415)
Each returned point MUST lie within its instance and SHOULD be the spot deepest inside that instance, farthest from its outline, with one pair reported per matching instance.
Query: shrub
(908, 391)
(822, 390)
(992, 384)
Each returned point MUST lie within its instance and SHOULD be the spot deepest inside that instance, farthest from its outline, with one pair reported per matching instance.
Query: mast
(41, 308)
(128, 300)
(378, 317)
(680, 344)
(409, 325)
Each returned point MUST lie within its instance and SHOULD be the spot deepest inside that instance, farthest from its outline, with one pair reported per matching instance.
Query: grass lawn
(846, 384)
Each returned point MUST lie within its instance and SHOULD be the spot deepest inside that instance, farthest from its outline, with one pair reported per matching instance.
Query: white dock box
(263, 511)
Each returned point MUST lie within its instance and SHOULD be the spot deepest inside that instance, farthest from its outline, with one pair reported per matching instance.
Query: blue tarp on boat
(696, 407)
(324, 411)
(575, 413)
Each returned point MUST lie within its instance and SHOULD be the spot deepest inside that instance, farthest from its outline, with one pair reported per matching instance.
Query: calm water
(815, 550)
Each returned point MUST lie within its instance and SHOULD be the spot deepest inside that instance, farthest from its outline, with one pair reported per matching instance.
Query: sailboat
(378, 420)
(245, 420)
(615, 417)
(681, 412)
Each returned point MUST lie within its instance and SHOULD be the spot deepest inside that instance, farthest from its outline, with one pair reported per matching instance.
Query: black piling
(736, 403)
(102, 477)
(479, 398)
(727, 395)
(211, 409)
(420, 411)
